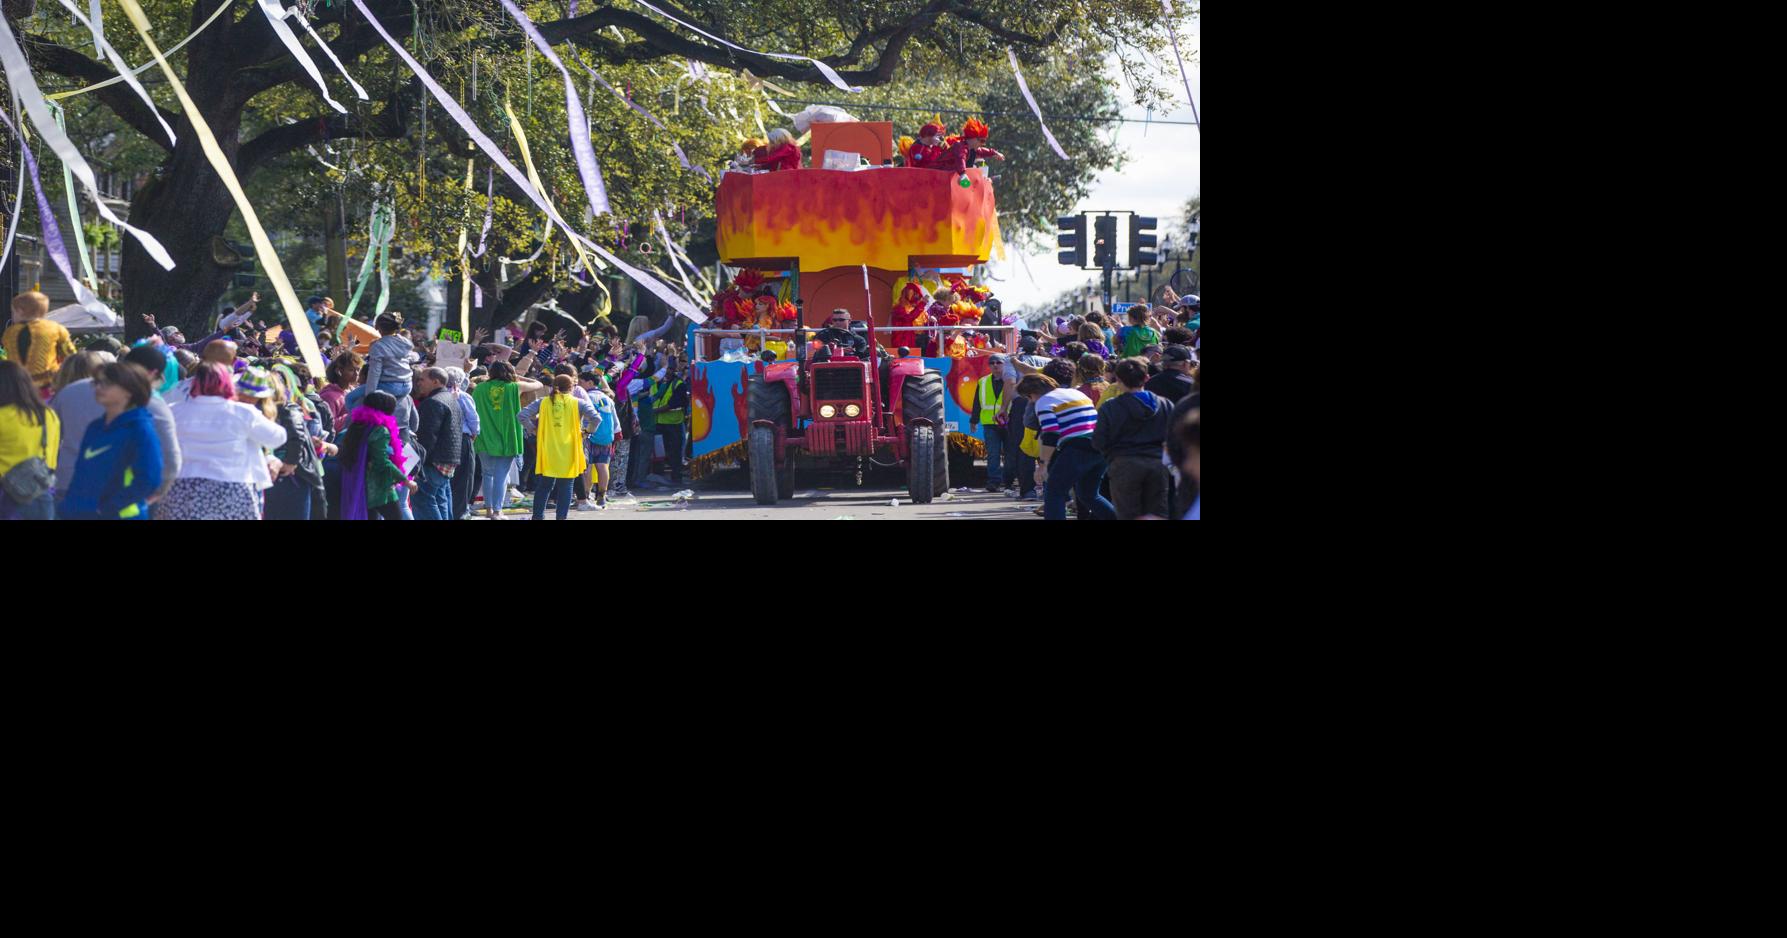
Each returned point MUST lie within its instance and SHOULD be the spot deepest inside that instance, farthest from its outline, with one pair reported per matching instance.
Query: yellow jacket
(50, 344)
(20, 439)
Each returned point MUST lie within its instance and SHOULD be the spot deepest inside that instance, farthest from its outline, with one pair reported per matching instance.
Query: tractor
(830, 404)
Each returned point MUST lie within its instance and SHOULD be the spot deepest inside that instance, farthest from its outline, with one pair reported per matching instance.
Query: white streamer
(111, 54)
(824, 69)
(276, 18)
(18, 74)
(1025, 88)
(670, 252)
(18, 203)
(489, 147)
(296, 14)
(593, 186)
(146, 65)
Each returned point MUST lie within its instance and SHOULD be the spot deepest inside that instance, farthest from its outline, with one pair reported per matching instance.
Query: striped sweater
(1065, 414)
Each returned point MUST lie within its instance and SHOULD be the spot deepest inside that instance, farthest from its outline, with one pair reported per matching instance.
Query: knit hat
(254, 383)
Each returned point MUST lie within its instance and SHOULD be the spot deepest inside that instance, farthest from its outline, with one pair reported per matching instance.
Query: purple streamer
(593, 187)
(477, 295)
(465, 122)
(489, 207)
(46, 216)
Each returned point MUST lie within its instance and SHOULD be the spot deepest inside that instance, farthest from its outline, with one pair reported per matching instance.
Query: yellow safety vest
(661, 405)
(989, 405)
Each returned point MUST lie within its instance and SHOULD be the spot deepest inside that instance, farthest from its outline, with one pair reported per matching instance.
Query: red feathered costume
(909, 311)
(927, 156)
(964, 150)
(786, 156)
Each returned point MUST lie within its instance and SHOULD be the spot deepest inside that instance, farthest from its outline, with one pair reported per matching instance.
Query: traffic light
(1142, 241)
(1104, 247)
(1074, 240)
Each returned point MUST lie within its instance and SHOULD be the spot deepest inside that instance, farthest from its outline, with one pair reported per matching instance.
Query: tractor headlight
(851, 410)
(828, 411)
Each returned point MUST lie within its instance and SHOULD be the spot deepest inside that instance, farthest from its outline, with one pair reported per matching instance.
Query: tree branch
(65, 61)
(964, 11)
(390, 124)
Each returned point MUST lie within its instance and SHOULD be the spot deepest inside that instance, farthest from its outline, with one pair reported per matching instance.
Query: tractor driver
(837, 330)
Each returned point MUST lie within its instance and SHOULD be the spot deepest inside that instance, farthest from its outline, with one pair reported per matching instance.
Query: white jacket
(224, 440)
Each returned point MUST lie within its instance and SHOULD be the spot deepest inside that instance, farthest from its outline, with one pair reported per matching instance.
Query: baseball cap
(1150, 348)
(996, 358)
(1177, 353)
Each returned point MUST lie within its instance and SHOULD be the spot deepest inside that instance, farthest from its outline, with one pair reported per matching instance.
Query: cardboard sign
(452, 354)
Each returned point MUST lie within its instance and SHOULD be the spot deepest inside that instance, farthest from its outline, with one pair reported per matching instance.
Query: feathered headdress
(974, 128)
(906, 147)
(748, 279)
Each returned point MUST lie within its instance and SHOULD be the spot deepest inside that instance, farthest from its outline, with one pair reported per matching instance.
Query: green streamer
(74, 208)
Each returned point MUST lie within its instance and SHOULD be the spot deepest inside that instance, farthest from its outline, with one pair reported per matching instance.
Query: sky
(1164, 169)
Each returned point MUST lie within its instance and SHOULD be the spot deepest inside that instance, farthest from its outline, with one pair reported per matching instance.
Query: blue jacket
(120, 466)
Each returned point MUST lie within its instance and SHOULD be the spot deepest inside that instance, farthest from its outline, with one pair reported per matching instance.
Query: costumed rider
(749, 150)
(941, 312)
(909, 311)
(963, 151)
(783, 152)
(928, 152)
(769, 311)
(734, 308)
(837, 332)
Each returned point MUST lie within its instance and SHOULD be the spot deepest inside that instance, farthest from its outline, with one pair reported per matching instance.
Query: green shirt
(499, 418)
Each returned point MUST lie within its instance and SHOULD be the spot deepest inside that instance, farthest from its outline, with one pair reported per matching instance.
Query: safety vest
(989, 405)
(661, 404)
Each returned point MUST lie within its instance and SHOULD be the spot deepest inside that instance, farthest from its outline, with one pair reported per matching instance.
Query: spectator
(1174, 380)
(297, 492)
(75, 411)
(646, 439)
(1131, 429)
(557, 420)
(1090, 372)
(499, 444)
(601, 436)
(35, 342)
(372, 462)
(989, 414)
(439, 440)
(153, 363)
(222, 440)
(1092, 337)
(388, 363)
(120, 462)
(30, 436)
(1138, 335)
(1187, 435)
(343, 374)
(1069, 463)
(468, 435)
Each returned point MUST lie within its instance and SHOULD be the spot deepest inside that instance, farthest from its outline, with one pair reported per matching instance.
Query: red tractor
(830, 403)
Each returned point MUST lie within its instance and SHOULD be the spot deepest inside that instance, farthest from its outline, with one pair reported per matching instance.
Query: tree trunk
(184, 209)
(335, 248)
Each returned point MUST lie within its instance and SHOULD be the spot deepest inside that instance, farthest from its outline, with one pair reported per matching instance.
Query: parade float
(860, 239)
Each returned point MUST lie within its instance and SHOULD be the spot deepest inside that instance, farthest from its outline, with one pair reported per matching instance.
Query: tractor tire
(921, 464)
(768, 401)
(765, 484)
(922, 396)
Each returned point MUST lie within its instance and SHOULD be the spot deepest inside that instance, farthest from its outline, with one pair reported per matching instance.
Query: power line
(1025, 114)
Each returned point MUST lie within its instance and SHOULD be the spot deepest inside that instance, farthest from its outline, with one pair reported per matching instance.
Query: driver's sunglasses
(840, 319)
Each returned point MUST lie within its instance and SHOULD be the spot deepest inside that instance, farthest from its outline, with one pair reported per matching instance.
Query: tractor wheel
(921, 464)
(922, 396)
(765, 486)
(768, 401)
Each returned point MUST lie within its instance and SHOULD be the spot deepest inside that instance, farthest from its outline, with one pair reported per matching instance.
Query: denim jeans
(41, 508)
(559, 489)
(434, 497)
(994, 437)
(496, 478)
(1076, 470)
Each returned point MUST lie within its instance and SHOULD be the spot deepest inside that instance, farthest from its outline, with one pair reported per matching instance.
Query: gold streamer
(527, 160)
(145, 66)
(294, 311)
